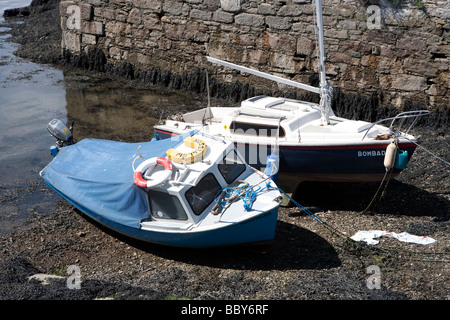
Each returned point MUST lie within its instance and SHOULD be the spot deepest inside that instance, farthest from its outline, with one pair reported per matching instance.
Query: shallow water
(32, 94)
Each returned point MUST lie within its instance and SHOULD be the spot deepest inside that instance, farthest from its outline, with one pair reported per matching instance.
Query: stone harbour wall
(398, 52)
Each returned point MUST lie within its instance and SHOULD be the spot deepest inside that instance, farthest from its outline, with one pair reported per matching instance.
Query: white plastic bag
(370, 236)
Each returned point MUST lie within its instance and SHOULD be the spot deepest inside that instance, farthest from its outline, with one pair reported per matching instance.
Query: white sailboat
(312, 142)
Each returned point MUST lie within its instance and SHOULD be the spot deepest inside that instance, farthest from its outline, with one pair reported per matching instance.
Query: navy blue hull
(327, 163)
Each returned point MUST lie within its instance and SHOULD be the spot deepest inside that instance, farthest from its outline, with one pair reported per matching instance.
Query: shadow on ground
(399, 199)
(293, 248)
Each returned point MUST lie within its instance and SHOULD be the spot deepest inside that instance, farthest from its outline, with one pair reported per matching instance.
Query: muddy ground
(307, 260)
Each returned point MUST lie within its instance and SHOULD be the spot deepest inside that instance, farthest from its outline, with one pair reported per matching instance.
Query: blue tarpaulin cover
(97, 176)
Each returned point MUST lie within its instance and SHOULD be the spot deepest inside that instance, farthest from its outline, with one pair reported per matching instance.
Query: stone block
(246, 40)
(175, 8)
(121, 15)
(255, 56)
(266, 9)
(230, 5)
(95, 2)
(105, 13)
(223, 17)
(173, 31)
(70, 41)
(93, 27)
(284, 41)
(347, 24)
(249, 19)
(336, 57)
(154, 5)
(115, 53)
(86, 11)
(283, 61)
(336, 34)
(200, 15)
(116, 28)
(211, 5)
(420, 67)
(305, 46)
(370, 61)
(88, 39)
(406, 82)
(411, 44)
(290, 10)
(152, 22)
(280, 23)
(195, 31)
(134, 16)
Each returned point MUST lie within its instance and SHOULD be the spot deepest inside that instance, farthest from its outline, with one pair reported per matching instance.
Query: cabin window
(255, 129)
(165, 206)
(201, 196)
(231, 167)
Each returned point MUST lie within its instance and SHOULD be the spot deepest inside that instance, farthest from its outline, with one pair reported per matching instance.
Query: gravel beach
(307, 260)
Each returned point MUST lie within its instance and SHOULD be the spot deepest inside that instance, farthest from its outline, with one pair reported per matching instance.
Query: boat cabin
(188, 195)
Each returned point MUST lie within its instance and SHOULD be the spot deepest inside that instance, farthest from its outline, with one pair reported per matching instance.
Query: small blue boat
(193, 190)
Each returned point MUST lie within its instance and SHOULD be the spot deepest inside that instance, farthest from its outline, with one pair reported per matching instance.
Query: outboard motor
(63, 135)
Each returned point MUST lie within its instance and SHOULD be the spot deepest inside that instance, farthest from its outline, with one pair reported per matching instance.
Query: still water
(32, 94)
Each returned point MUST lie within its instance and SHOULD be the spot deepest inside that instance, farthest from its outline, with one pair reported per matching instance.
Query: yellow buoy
(198, 145)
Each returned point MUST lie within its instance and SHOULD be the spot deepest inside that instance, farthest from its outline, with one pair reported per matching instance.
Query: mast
(325, 88)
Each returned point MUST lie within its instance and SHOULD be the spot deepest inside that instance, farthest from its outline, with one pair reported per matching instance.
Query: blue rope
(301, 207)
(248, 195)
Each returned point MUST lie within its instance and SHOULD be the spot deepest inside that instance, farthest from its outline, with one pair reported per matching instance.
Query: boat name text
(374, 153)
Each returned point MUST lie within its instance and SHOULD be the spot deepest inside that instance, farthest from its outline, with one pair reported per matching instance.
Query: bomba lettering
(374, 153)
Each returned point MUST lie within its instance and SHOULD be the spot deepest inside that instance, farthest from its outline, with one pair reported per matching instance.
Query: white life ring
(144, 183)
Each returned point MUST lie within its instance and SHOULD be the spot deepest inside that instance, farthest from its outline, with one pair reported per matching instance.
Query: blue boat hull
(261, 228)
(96, 176)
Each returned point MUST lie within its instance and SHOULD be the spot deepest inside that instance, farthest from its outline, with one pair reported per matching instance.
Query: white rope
(434, 155)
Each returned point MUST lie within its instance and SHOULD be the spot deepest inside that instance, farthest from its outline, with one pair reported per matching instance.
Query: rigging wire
(428, 151)
(250, 193)
(388, 252)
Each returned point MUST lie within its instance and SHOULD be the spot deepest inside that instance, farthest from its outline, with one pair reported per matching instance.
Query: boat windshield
(231, 167)
(165, 206)
(201, 196)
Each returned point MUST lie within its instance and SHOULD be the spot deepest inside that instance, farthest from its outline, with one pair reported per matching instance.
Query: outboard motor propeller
(63, 135)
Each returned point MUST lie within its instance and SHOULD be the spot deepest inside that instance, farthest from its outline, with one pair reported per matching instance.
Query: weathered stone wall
(402, 52)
